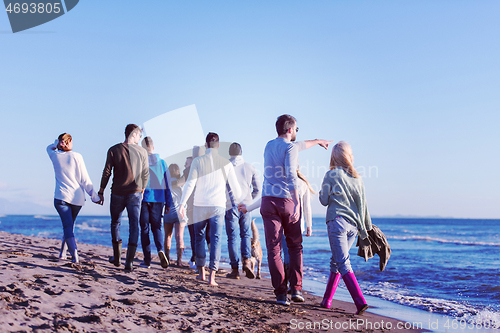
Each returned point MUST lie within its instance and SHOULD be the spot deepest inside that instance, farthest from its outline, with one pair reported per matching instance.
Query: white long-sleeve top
(247, 179)
(207, 174)
(305, 205)
(72, 179)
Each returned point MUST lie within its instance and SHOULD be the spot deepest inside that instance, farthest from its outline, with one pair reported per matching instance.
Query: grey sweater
(345, 196)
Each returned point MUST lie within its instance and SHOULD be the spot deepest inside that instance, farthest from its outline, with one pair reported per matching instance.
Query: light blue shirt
(281, 161)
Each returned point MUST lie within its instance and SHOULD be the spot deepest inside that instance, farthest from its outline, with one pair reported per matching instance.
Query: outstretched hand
(324, 143)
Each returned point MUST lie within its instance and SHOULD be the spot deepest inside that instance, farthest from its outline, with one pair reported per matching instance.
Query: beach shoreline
(40, 293)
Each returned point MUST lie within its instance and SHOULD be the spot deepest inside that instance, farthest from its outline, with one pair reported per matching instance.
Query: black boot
(130, 257)
(287, 277)
(117, 254)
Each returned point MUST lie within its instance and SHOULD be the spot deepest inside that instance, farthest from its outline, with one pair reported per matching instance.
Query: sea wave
(470, 313)
(43, 217)
(442, 240)
(86, 226)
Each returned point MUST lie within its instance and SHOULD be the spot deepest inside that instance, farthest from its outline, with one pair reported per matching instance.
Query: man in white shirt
(238, 221)
(209, 173)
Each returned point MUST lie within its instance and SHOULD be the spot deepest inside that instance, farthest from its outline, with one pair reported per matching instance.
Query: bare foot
(211, 279)
(201, 273)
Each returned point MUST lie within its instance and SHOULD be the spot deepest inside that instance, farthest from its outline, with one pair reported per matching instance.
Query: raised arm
(320, 142)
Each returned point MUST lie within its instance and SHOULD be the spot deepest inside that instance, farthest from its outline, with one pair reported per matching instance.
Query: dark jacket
(376, 243)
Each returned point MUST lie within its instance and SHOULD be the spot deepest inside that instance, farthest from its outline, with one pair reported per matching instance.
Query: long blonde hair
(342, 157)
(301, 176)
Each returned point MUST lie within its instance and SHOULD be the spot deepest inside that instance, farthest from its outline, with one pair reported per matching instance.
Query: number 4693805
(33, 8)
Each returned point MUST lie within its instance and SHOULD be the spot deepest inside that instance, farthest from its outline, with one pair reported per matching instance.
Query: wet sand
(39, 292)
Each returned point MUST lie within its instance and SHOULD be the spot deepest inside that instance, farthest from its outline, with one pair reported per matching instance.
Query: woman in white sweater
(72, 181)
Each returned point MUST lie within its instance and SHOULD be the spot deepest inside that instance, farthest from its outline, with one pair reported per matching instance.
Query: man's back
(130, 167)
(207, 172)
(280, 168)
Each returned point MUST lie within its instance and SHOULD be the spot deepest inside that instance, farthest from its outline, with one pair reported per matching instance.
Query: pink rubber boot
(353, 287)
(331, 287)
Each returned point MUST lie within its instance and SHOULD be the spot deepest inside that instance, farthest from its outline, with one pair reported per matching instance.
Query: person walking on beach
(210, 173)
(156, 195)
(72, 181)
(238, 221)
(347, 216)
(280, 208)
(129, 164)
(172, 219)
(305, 191)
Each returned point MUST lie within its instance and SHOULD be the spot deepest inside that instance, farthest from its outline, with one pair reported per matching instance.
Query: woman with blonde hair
(347, 216)
(72, 181)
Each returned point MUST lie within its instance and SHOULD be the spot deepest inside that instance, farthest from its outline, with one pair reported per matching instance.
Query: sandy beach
(40, 293)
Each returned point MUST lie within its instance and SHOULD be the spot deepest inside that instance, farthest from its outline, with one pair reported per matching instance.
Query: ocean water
(448, 267)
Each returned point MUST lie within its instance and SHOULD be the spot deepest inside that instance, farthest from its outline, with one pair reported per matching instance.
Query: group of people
(212, 192)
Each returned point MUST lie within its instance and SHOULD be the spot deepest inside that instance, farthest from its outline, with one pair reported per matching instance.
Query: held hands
(167, 209)
(242, 208)
(101, 199)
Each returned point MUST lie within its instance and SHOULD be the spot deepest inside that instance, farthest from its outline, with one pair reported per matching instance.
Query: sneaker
(282, 300)
(163, 259)
(297, 296)
(192, 265)
(145, 264)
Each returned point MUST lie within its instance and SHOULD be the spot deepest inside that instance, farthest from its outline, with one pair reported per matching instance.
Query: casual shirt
(247, 179)
(207, 174)
(130, 167)
(345, 196)
(281, 161)
(72, 179)
(158, 189)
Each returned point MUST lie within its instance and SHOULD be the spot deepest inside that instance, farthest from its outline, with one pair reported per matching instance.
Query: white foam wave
(86, 226)
(471, 314)
(442, 240)
(43, 217)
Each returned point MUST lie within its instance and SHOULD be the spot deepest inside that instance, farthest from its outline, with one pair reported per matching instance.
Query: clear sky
(413, 86)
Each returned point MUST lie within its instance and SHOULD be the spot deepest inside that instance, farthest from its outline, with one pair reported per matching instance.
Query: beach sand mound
(40, 293)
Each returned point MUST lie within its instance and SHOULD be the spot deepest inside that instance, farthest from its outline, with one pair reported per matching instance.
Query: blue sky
(412, 86)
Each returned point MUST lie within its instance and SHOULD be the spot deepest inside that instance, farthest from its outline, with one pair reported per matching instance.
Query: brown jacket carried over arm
(376, 243)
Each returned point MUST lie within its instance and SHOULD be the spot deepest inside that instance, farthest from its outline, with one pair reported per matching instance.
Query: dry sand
(40, 293)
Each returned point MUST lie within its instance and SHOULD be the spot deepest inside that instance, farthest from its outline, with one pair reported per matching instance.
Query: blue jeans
(68, 213)
(214, 218)
(133, 204)
(342, 235)
(151, 215)
(236, 220)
